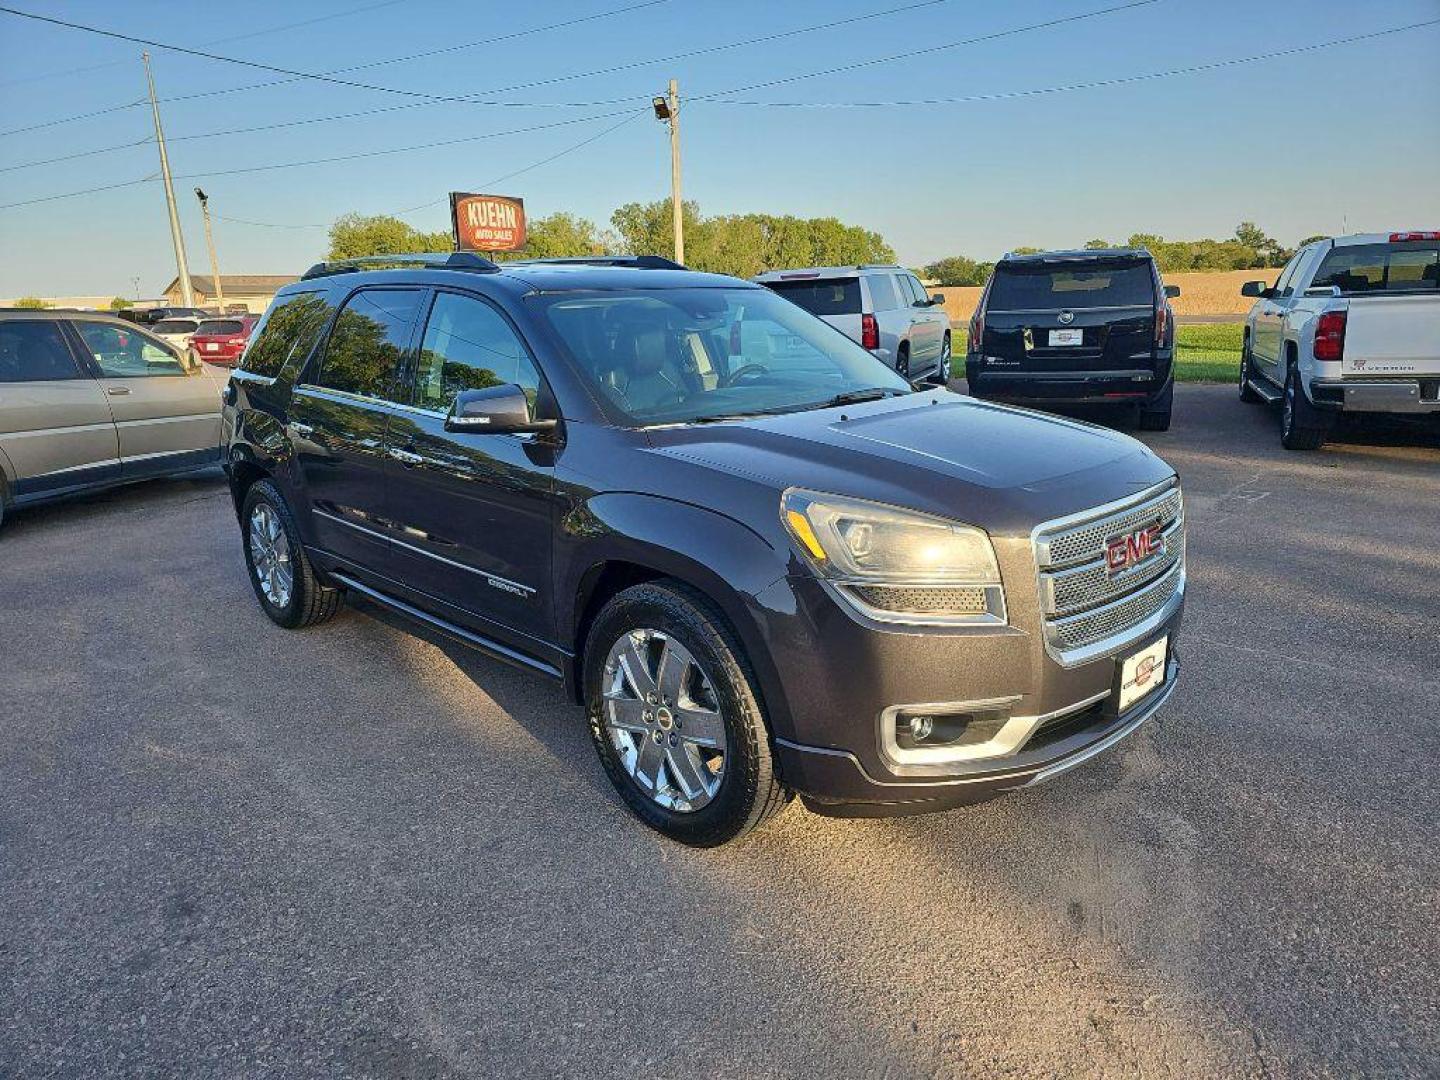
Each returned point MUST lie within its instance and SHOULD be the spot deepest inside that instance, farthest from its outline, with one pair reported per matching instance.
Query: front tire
(1247, 375)
(285, 582)
(675, 717)
(1302, 426)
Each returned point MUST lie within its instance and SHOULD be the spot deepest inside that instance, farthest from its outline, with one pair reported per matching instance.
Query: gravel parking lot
(228, 850)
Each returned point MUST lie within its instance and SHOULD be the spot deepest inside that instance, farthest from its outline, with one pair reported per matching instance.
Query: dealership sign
(487, 222)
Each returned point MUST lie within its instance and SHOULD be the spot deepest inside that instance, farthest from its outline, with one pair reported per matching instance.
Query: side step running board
(1266, 390)
(466, 637)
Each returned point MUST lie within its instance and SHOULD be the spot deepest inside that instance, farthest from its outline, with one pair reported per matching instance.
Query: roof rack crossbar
(434, 260)
(640, 262)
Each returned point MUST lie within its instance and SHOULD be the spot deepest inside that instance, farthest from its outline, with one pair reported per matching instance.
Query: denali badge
(1132, 549)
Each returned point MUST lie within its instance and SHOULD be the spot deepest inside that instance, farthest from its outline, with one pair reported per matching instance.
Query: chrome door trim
(494, 579)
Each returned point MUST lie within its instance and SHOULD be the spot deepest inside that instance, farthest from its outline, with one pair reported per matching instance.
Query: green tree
(120, 304)
(356, 235)
(1026, 250)
(31, 303)
(1097, 245)
(560, 235)
(1312, 239)
(958, 270)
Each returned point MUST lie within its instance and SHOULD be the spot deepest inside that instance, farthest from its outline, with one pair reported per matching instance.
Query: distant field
(1204, 353)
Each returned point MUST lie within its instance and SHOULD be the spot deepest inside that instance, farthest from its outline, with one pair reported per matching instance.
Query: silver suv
(883, 307)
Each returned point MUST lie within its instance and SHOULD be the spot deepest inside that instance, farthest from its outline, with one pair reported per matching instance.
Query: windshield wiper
(855, 397)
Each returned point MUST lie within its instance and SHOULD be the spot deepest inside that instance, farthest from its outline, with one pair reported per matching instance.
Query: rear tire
(902, 360)
(942, 373)
(1157, 416)
(1247, 374)
(286, 584)
(1302, 426)
(711, 701)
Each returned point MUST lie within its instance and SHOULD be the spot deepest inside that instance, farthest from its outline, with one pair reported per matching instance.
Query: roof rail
(877, 266)
(639, 262)
(437, 260)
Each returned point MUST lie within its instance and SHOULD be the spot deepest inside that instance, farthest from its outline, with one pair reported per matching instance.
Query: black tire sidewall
(288, 616)
(656, 607)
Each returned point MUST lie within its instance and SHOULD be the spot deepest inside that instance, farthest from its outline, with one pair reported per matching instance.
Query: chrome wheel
(662, 715)
(270, 555)
(1287, 410)
(943, 374)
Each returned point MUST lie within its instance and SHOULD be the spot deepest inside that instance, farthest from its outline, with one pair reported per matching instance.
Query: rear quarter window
(287, 333)
(1050, 288)
(822, 296)
(1367, 268)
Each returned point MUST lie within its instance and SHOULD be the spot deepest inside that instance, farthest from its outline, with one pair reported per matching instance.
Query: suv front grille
(1088, 610)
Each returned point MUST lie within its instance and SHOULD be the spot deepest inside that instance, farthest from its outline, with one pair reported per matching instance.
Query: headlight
(897, 565)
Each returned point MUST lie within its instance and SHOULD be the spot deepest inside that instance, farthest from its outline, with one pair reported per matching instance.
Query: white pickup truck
(1352, 325)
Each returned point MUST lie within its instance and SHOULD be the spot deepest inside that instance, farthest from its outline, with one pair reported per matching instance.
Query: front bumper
(1141, 385)
(1420, 395)
(840, 676)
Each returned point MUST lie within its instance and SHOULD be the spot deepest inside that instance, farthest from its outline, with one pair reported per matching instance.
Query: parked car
(221, 341)
(761, 574)
(177, 332)
(149, 316)
(883, 307)
(1351, 325)
(1076, 327)
(90, 400)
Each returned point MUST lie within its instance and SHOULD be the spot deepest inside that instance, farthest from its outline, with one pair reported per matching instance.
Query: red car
(221, 341)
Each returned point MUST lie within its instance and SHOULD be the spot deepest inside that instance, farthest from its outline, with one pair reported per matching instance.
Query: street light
(210, 243)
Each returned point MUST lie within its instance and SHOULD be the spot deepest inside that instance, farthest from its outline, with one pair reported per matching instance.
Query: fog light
(935, 734)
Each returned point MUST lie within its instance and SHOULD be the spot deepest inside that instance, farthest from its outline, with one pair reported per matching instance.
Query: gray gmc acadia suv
(764, 563)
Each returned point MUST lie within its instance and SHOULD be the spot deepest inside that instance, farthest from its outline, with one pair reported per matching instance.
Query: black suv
(1091, 326)
(762, 561)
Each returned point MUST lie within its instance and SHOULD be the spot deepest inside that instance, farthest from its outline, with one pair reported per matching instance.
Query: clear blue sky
(1304, 144)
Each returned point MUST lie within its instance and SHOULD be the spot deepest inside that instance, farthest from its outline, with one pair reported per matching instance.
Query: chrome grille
(1086, 610)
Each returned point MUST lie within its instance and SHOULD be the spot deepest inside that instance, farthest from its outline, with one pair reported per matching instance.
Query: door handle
(300, 429)
(117, 391)
(406, 458)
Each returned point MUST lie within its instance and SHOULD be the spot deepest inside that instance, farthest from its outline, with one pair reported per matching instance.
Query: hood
(993, 465)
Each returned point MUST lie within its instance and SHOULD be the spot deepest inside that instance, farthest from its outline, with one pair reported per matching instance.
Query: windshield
(660, 356)
(829, 296)
(1040, 286)
(174, 326)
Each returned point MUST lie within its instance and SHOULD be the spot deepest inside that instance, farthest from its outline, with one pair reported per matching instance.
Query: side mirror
(495, 410)
(1172, 291)
(1257, 289)
(937, 299)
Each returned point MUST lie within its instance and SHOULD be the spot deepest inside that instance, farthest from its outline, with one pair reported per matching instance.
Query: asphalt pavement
(228, 850)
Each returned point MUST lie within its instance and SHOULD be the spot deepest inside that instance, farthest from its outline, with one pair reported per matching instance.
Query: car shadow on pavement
(139, 497)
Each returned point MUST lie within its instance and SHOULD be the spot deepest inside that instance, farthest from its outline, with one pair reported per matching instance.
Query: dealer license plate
(1143, 672)
(1066, 337)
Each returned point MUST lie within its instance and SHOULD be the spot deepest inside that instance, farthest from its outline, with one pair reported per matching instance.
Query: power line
(630, 114)
(296, 76)
(79, 154)
(1006, 95)
(444, 198)
(473, 99)
(213, 41)
(912, 53)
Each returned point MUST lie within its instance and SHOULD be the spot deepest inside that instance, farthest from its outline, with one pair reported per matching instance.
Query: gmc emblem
(1132, 549)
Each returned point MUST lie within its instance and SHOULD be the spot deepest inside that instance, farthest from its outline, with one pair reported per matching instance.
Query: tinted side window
(287, 331)
(882, 292)
(34, 352)
(369, 338)
(830, 296)
(1284, 285)
(917, 291)
(468, 345)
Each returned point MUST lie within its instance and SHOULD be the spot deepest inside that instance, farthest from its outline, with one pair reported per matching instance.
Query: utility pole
(667, 110)
(210, 243)
(187, 294)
